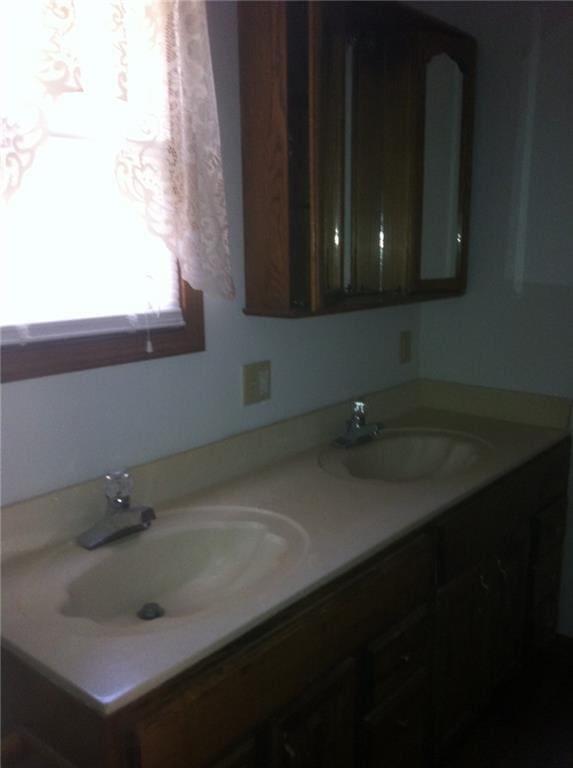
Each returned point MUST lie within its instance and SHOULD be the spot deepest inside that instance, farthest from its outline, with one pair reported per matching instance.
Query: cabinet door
(547, 549)
(508, 604)
(318, 730)
(243, 756)
(397, 733)
(463, 650)
(399, 655)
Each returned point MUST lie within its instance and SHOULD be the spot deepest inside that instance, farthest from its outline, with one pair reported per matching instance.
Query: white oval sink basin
(187, 562)
(408, 454)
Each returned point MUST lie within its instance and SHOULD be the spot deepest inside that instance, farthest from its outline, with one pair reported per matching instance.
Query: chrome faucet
(120, 519)
(357, 430)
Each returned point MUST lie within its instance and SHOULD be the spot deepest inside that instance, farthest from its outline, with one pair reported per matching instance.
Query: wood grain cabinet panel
(500, 558)
(243, 756)
(318, 730)
(476, 528)
(545, 573)
(509, 596)
(398, 731)
(463, 648)
(400, 654)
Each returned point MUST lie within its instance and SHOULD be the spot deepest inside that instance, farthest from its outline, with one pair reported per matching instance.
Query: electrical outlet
(405, 353)
(256, 382)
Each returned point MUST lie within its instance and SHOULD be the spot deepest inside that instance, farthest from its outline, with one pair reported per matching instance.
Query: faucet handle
(359, 412)
(118, 488)
(359, 407)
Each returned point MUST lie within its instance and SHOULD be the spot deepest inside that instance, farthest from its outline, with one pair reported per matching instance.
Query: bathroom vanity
(406, 605)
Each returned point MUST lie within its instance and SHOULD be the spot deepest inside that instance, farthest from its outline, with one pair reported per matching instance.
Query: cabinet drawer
(397, 656)
(549, 530)
(226, 701)
(397, 733)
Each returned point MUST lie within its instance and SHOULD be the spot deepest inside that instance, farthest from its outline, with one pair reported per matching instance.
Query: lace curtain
(138, 73)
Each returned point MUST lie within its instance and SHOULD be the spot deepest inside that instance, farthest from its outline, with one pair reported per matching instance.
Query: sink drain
(150, 611)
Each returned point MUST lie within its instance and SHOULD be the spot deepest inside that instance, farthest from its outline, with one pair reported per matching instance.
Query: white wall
(65, 429)
(515, 327)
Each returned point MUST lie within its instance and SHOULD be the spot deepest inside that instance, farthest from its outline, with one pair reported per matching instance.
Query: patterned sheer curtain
(138, 73)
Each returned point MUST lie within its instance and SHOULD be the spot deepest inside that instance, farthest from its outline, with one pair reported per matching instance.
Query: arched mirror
(445, 83)
(440, 237)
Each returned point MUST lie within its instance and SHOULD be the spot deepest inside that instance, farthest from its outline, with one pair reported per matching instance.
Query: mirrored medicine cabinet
(356, 133)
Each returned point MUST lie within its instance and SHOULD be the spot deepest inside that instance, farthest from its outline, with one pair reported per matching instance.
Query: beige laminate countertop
(346, 521)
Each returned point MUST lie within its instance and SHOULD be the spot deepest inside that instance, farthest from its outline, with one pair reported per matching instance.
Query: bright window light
(73, 247)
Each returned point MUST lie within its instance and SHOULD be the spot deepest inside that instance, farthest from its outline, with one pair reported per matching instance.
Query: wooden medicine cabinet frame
(292, 72)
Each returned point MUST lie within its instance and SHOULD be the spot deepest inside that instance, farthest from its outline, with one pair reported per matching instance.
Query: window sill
(48, 358)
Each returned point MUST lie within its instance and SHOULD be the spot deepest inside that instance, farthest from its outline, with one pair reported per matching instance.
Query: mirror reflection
(394, 180)
(441, 236)
(355, 238)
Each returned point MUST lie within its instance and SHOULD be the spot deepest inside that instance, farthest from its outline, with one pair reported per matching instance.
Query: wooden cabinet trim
(263, 83)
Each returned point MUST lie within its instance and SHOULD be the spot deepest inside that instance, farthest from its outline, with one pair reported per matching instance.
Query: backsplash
(45, 519)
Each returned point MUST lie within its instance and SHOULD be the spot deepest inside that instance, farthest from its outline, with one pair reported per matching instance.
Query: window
(111, 181)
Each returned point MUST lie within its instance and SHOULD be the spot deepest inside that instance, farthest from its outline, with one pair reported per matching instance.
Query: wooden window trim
(47, 358)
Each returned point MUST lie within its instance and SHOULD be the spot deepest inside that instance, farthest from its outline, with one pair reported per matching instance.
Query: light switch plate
(256, 382)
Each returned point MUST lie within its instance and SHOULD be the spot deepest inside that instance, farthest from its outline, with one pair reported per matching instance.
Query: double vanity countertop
(340, 521)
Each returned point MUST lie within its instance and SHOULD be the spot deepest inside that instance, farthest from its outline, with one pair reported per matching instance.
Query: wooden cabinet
(243, 756)
(276, 111)
(509, 570)
(398, 731)
(381, 667)
(548, 537)
(356, 179)
(289, 665)
(318, 730)
(480, 619)
(500, 560)
(397, 702)
(462, 648)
